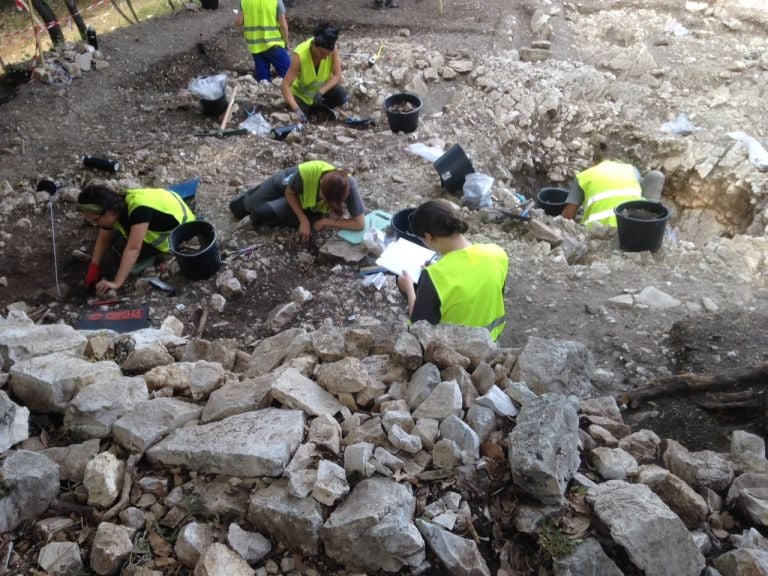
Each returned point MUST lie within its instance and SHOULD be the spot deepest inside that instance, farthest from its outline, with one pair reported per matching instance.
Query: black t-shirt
(158, 221)
(427, 305)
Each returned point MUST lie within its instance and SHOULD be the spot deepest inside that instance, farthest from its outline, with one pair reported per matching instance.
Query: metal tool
(349, 120)
(373, 59)
(160, 285)
(222, 132)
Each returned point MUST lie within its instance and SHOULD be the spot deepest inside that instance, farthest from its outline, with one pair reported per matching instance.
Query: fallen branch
(120, 11)
(201, 325)
(130, 5)
(125, 494)
(690, 383)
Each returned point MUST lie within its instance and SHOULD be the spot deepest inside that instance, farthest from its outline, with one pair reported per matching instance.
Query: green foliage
(553, 542)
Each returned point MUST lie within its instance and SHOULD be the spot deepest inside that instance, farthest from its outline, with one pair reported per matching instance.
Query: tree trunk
(79, 22)
(49, 17)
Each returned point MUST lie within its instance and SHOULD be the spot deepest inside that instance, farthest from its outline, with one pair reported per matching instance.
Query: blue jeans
(276, 56)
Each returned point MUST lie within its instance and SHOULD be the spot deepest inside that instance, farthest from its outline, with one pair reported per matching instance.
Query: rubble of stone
(326, 439)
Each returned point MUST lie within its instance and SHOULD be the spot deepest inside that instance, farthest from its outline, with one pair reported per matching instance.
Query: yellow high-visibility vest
(260, 26)
(470, 284)
(606, 186)
(163, 201)
(310, 173)
(310, 80)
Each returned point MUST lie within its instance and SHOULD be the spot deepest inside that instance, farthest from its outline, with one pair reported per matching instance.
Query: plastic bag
(430, 153)
(376, 280)
(680, 126)
(676, 28)
(757, 154)
(256, 124)
(374, 240)
(208, 87)
(477, 191)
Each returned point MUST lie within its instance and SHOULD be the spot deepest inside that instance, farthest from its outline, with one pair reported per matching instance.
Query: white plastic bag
(208, 87)
(757, 154)
(374, 240)
(376, 280)
(256, 124)
(430, 153)
(477, 191)
(680, 126)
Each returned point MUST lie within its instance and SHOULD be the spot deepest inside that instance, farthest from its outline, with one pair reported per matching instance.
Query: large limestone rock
(72, 459)
(271, 352)
(238, 396)
(192, 542)
(295, 522)
(48, 383)
(474, 343)
(151, 420)
(60, 558)
(219, 560)
(252, 546)
(543, 459)
(682, 500)
(445, 400)
(14, 422)
(749, 492)
(559, 366)
(743, 562)
(103, 479)
(372, 528)
(460, 556)
(587, 559)
(347, 375)
(30, 483)
(111, 547)
(423, 381)
(748, 453)
(21, 341)
(96, 408)
(296, 391)
(654, 537)
(251, 444)
(705, 469)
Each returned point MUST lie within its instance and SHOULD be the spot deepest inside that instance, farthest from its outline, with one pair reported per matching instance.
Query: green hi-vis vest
(162, 201)
(470, 284)
(310, 173)
(606, 186)
(260, 26)
(309, 80)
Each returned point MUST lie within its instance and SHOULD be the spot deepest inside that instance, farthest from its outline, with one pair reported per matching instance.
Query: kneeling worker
(312, 84)
(610, 183)
(466, 286)
(312, 194)
(145, 217)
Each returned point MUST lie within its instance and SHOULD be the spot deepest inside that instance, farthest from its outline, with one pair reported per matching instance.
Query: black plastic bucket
(215, 107)
(209, 4)
(453, 167)
(641, 225)
(403, 121)
(552, 200)
(203, 262)
(402, 226)
(46, 185)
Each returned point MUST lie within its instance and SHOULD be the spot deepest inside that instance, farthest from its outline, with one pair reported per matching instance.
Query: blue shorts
(276, 56)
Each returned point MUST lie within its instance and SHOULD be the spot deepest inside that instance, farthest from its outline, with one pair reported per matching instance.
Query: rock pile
(381, 449)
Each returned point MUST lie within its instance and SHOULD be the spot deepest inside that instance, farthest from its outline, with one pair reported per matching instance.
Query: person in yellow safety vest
(311, 195)
(603, 187)
(466, 285)
(266, 33)
(144, 217)
(312, 85)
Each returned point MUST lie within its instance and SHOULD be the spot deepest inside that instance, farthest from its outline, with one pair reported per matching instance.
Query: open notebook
(404, 255)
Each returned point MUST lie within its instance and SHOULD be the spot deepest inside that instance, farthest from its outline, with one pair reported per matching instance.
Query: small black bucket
(215, 107)
(46, 185)
(209, 4)
(453, 167)
(201, 263)
(403, 121)
(552, 200)
(402, 226)
(641, 225)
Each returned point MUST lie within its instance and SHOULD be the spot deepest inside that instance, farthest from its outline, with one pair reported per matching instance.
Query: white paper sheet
(404, 255)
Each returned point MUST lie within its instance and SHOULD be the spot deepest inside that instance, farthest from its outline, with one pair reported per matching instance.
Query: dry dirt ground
(125, 110)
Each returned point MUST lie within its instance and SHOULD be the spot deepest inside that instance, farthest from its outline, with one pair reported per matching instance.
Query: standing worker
(466, 286)
(610, 183)
(266, 33)
(144, 217)
(312, 84)
(312, 194)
